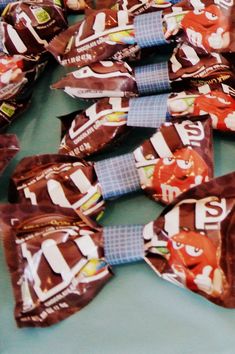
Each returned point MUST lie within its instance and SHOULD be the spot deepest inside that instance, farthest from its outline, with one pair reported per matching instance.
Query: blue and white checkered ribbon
(4, 3)
(117, 176)
(149, 30)
(148, 112)
(123, 244)
(152, 78)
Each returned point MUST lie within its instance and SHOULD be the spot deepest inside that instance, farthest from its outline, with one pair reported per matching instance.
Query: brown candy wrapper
(104, 123)
(56, 262)
(9, 146)
(107, 33)
(176, 158)
(101, 79)
(191, 244)
(28, 26)
(101, 35)
(17, 75)
(185, 68)
(97, 128)
(57, 180)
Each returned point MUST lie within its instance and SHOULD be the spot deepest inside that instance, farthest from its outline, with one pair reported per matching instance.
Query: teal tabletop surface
(136, 312)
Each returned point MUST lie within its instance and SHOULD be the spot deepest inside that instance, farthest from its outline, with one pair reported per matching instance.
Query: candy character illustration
(207, 28)
(221, 108)
(177, 173)
(193, 257)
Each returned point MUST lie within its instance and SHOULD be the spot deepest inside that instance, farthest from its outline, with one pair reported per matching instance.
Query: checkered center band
(117, 176)
(152, 78)
(148, 112)
(149, 30)
(123, 244)
(3, 3)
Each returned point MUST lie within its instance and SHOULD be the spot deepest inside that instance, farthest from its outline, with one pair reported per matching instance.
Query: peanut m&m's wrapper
(176, 158)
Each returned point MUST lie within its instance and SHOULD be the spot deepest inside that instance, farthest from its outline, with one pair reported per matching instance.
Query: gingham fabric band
(152, 78)
(148, 112)
(117, 176)
(3, 3)
(149, 30)
(123, 244)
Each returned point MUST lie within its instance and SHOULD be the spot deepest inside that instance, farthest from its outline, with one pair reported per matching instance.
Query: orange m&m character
(193, 257)
(221, 108)
(207, 28)
(177, 173)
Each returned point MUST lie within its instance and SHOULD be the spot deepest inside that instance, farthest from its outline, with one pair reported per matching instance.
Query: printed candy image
(185, 68)
(205, 24)
(219, 103)
(100, 126)
(191, 243)
(173, 160)
(107, 33)
(101, 35)
(57, 180)
(28, 26)
(56, 262)
(176, 158)
(107, 122)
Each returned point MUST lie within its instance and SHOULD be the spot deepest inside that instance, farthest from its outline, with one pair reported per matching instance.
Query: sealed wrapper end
(191, 244)
(101, 79)
(96, 129)
(185, 68)
(56, 261)
(101, 35)
(9, 147)
(57, 180)
(28, 26)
